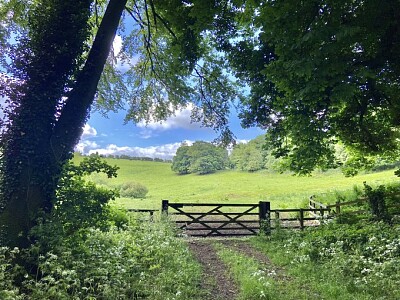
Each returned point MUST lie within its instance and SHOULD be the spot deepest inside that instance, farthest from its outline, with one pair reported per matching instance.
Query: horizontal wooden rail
(210, 214)
(216, 235)
(299, 209)
(315, 204)
(224, 228)
(218, 221)
(211, 204)
(358, 201)
(142, 210)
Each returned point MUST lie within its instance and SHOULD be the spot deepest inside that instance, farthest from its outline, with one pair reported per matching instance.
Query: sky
(157, 140)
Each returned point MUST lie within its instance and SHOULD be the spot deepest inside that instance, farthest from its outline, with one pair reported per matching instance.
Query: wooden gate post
(338, 207)
(265, 217)
(164, 207)
(301, 218)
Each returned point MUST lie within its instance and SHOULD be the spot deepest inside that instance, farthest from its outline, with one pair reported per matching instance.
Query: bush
(133, 190)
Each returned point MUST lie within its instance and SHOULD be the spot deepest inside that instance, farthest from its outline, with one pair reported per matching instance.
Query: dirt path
(216, 281)
(245, 248)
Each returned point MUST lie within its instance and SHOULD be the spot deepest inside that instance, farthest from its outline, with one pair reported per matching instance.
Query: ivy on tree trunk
(47, 121)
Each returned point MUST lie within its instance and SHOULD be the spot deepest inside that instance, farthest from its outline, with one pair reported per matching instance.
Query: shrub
(133, 190)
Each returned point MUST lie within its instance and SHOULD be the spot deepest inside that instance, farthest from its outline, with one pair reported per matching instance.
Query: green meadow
(231, 186)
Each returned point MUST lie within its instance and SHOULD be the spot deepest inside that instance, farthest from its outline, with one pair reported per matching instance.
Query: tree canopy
(322, 71)
(200, 158)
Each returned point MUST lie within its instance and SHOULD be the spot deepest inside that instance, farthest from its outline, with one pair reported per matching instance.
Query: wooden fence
(335, 209)
(217, 219)
(223, 219)
(298, 218)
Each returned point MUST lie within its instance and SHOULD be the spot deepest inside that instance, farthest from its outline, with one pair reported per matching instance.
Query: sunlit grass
(230, 186)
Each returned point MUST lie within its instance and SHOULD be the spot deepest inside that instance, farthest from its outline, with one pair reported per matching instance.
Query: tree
(201, 158)
(58, 61)
(321, 71)
(250, 156)
(181, 161)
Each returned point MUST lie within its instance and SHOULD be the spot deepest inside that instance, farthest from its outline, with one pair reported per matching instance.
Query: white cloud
(242, 141)
(117, 45)
(124, 62)
(180, 119)
(88, 132)
(86, 146)
(166, 151)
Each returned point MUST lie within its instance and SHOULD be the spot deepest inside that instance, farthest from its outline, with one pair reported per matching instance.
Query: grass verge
(340, 261)
(258, 281)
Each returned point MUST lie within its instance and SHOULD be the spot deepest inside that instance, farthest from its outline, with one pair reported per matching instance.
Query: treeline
(253, 156)
(128, 157)
(205, 158)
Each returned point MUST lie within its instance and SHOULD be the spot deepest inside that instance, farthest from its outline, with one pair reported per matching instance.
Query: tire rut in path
(216, 282)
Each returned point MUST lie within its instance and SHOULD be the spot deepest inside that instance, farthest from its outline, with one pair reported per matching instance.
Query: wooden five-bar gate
(216, 219)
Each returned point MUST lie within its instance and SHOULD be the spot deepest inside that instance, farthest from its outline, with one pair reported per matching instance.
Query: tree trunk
(37, 150)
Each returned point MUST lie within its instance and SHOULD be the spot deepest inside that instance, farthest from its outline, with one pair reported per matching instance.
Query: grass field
(230, 186)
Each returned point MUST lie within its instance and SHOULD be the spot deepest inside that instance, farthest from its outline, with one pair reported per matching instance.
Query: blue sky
(111, 136)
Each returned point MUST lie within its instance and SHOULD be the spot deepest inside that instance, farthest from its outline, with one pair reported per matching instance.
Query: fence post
(264, 209)
(311, 203)
(338, 207)
(164, 207)
(301, 219)
(277, 219)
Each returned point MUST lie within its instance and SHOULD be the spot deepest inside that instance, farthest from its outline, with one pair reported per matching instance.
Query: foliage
(376, 199)
(144, 261)
(254, 156)
(249, 157)
(201, 158)
(133, 190)
(58, 60)
(318, 73)
(358, 261)
(254, 281)
(182, 160)
(377, 202)
(81, 204)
